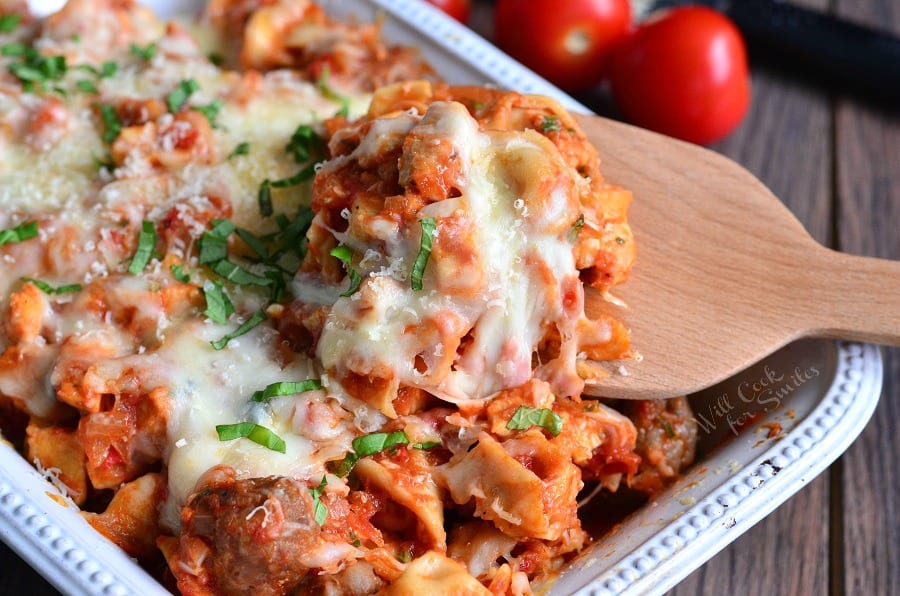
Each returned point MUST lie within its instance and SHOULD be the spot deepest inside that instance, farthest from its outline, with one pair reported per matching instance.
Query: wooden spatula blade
(725, 274)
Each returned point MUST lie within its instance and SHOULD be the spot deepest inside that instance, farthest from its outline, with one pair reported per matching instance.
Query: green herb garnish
(238, 275)
(23, 231)
(345, 254)
(177, 98)
(256, 433)
(214, 242)
(526, 417)
(210, 110)
(86, 86)
(146, 53)
(241, 149)
(108, 69)
(257, 318)
(286, 388)
(305, 144)
(425, 245)
(180, 274)
(9, 22)
(667, 427)
(264, 198)
(146, 243)
(299, 178)
(111, 121)
(321, 512)
(377, 442)
(218, 305)
(14, 49)
(576, 228)
(48, 289)
(325, 89)
(550, 124)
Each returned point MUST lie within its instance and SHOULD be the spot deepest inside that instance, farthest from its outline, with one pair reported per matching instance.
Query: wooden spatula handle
(850, 297)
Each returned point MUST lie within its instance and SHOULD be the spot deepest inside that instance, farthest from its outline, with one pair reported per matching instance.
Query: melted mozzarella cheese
(522, 264)
(210, 388)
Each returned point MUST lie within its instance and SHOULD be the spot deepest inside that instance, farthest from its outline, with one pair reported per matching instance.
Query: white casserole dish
(828, 391)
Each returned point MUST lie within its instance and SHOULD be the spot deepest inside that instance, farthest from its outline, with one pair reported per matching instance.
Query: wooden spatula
(725, 274)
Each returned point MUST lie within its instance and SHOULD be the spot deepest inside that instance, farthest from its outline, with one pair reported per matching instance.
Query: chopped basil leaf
(264, 198)
(257, 318)
(370, 445)
(549, 124)
(667, 427)
(210, 110)
(146, 243)
(576, 228)
(286, 388)
(147, 52)
(86, 86)
(377, 442)
(108, 69)
(218, 305)
(426, 445)
(345, 254)
(405, 555)
(305, 143)
(37, 68)
(278, 284)
(14, 49)
(214, 242)
(299, 178)
(294, 232)
(20, 233)
(111, 121)
(216, 59)
(321, 512)
(525, 417)
(177, 98)
(619, 240)
(9, 22)
(179, 273)
(329, 93)
(428, 227)
(107, 163)
(255, 244)
(343, 468)
(241, 149)
(48, 289)
(236, 274)
(25, 72)
(256, 433)
(353, 539)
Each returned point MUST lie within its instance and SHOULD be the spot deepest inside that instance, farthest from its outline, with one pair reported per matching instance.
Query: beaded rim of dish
(757, 488)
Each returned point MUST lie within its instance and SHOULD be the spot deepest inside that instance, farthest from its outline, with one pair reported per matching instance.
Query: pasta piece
(57, 451)
(411, 486)
(433, 573)
(534, 502)
(131, 519)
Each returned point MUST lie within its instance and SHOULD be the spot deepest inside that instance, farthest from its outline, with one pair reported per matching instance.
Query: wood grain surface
(835, 162)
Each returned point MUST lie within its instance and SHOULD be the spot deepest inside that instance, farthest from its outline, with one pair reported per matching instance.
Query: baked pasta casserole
(283, 313)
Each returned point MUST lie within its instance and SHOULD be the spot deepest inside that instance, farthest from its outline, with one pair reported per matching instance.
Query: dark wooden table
(835, 161)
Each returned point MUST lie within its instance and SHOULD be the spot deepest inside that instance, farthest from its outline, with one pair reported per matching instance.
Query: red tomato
(568, 42)
(458, 9)
(684, 74)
